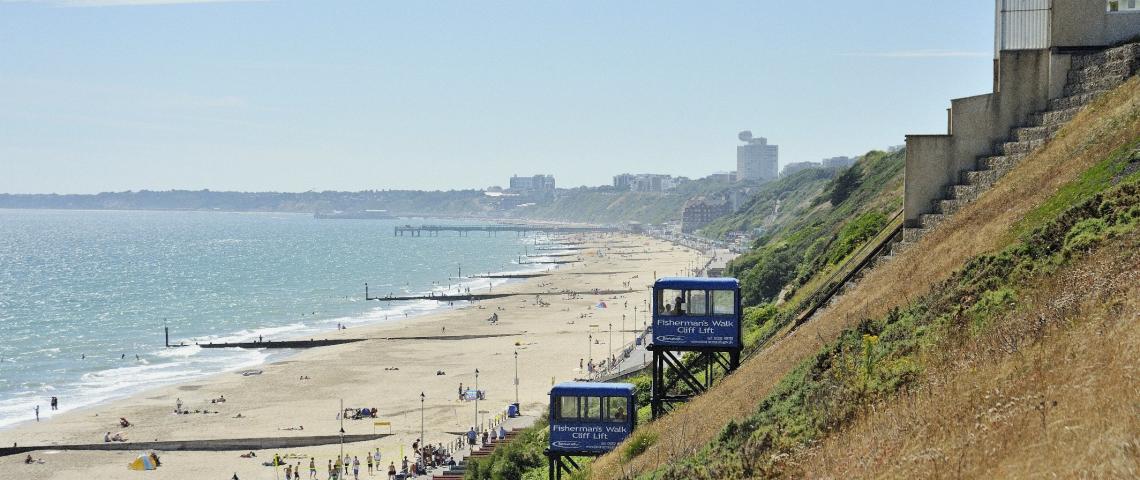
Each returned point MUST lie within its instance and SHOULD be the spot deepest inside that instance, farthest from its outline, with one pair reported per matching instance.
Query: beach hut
(143, 462)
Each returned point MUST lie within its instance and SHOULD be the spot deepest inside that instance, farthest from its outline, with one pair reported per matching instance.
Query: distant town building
(646, 182)
(838, 162)
(622, 182)
(701, 211)
(756, 160)
(895, 148)
(798, 166)
(725, 177)
(532, 184)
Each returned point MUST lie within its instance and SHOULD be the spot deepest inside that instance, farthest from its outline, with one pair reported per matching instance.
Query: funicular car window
(615, 409)
(696, 306)
(568, 408)
(593, 408)
(724, 302)
(667, 301)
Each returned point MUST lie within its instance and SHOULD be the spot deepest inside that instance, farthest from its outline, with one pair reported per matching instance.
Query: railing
(606, 369)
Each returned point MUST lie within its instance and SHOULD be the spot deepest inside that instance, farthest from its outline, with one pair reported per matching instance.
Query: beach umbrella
(143, 462)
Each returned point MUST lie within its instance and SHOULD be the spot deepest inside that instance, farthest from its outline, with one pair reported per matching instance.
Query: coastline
(549, 340)
(233, 360)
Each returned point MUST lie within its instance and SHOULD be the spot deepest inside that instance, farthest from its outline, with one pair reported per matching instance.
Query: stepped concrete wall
(1026, 81)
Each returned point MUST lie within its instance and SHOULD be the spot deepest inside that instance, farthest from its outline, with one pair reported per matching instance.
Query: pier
(465, 230)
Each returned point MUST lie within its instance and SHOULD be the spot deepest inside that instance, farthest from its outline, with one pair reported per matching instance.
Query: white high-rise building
(756, 160)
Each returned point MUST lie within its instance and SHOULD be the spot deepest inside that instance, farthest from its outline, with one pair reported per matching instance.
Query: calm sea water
(79, 290)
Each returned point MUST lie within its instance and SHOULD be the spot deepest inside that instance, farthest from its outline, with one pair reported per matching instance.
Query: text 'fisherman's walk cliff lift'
(696, 334)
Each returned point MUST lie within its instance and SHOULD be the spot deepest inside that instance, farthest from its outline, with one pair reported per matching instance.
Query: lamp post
(476, 397)
(341, 430)
(611, 343)
(422, 440)
(516, 377)
(623, 329)
(590, 342)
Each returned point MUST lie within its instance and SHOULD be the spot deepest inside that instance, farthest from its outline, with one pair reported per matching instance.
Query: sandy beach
(386, 372)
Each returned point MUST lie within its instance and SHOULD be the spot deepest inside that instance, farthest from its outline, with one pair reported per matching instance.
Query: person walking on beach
(368, 460)
(37, 413)
(471, 435)
(347, 463)
(312, 468)
(55, 403)
(356, 468)
(391, 470)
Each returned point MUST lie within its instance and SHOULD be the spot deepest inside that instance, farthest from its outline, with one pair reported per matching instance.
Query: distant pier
(464, 230)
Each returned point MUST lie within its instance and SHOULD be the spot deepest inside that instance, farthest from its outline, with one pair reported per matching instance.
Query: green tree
(844, 184)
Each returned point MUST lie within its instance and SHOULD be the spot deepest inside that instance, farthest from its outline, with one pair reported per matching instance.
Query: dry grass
(1034, 398)
(981, 227)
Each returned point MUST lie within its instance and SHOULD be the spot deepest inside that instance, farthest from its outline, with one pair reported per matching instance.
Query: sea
(85, 295)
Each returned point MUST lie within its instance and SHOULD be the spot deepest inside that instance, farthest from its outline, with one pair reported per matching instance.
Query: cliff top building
(756, 160)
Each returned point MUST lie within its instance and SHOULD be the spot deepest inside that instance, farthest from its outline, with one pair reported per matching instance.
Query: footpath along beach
(389, 371)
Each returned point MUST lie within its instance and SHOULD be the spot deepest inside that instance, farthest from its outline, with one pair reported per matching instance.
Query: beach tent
(144, 462)
(600, 305)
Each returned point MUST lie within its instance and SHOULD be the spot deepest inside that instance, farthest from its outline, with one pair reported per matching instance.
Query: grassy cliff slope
(750, 409)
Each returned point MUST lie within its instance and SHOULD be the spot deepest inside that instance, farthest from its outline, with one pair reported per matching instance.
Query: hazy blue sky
(105, 95)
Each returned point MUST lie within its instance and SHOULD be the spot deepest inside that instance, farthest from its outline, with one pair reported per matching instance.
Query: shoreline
(549, 335)
(370, 316)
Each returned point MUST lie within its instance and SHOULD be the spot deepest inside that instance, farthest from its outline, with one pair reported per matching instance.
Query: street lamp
(590, 341)
(516, 377)
(341, 430)
(611, 342)
(422, 440)
(623, 329)
(476, 397)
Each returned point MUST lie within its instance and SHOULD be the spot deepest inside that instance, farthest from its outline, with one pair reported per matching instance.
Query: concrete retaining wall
(1026, 80)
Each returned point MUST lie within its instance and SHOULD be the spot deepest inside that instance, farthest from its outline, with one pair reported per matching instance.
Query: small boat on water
(354, 215)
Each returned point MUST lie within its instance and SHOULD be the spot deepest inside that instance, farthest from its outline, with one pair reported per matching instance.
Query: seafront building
(756, 160)
(701, 211)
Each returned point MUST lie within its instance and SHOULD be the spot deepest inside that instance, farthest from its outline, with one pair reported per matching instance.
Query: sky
(114, 95)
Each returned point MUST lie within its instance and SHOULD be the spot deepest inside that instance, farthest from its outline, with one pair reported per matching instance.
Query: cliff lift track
(865, 256)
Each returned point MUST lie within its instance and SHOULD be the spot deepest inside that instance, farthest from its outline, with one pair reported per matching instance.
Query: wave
(169, 366)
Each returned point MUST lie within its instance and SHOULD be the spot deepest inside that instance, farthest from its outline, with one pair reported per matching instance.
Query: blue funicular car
(590, 418)
(697, 312)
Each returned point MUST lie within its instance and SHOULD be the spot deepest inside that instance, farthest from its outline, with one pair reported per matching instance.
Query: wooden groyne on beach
(553, 255)
(280, 343)
(511, 275)
(219, 445)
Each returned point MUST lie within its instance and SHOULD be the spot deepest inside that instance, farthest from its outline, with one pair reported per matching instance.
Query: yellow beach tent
(144, 462)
